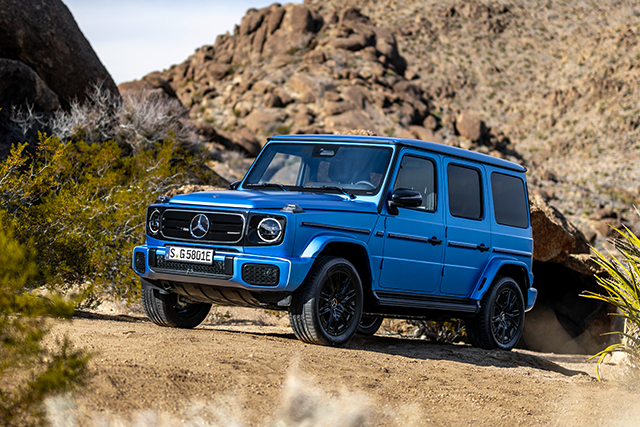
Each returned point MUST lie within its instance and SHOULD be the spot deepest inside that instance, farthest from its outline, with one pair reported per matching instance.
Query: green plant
(30, 369)
(622, 286)
(83, 206)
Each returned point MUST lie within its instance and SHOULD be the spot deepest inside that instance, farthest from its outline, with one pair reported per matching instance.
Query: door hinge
(381, 263)
(442, 270)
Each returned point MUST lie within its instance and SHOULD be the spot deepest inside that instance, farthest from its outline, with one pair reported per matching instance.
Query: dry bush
(135, 121)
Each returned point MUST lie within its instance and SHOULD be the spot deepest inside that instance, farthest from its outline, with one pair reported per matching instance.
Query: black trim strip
(408, 237)
(463, 245)
(337, 227)
(512, 252)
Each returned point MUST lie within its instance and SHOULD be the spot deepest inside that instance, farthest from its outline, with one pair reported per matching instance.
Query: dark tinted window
(465, 192)
(509, 200)
(419, 174)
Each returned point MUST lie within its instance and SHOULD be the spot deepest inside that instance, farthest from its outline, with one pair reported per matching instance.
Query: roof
(407, 142)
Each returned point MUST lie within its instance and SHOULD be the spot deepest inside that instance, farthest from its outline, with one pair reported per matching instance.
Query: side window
(509, 200)
(419, 174)
(465, 192)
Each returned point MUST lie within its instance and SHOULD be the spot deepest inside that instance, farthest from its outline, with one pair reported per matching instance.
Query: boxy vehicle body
(343, 231)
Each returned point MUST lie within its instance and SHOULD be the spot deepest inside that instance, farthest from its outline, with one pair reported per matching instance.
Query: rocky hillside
(520, 79)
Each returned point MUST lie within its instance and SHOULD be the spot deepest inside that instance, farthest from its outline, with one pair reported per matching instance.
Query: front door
(413, 246)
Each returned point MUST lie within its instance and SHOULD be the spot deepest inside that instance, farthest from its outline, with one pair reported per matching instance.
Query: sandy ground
(246, 367)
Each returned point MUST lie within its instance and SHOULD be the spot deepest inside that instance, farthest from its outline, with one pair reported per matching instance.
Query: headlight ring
(154, 222)
(269, 230)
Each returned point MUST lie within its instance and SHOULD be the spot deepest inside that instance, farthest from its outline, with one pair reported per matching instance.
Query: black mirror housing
(406, 198)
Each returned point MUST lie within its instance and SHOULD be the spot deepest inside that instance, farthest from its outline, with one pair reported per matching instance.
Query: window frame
(435, 179)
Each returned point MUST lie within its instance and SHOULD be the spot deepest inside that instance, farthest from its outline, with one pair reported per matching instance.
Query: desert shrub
(83, 206)
(622, 290)
(134, 122)
(30, 369)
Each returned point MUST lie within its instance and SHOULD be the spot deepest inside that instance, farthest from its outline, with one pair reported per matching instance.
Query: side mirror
(234, 185)
(405, 198)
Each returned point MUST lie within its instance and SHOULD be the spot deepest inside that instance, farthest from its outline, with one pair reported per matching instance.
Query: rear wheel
(500, 320)
(327, 307)
(171, 309)
(369, 325)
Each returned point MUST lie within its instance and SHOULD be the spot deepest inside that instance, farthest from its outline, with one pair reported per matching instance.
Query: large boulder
(43, 35)
(563, 321)
(553, 235)
(20, 85)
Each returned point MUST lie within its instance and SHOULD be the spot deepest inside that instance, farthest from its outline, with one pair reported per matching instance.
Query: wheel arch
(517, 270)
(354, 251)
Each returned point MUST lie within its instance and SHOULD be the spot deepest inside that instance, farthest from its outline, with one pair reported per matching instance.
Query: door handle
(482, 247)
(435, 241)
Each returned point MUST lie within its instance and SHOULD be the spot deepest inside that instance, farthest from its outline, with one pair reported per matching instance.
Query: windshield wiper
(330, 187)
(266, 184)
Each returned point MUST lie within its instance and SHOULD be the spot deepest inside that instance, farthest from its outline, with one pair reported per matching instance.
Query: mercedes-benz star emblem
(199, 226)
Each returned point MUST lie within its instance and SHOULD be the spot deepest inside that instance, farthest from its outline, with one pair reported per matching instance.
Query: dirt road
(235, 372)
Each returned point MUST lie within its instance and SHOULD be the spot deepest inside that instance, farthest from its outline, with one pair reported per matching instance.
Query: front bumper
(229, 270)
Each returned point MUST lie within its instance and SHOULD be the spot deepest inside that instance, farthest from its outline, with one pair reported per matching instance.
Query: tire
(500, 320)
(167, 310)
(369, 325)
(327, 308)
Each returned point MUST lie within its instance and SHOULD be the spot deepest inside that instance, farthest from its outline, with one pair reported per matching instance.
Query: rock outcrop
(304, 69)
(50, 55)
(563, 321)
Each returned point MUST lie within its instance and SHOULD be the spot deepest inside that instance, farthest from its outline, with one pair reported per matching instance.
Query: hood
(273, 200)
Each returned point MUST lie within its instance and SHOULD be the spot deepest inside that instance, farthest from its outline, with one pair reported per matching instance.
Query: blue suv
(343, 231)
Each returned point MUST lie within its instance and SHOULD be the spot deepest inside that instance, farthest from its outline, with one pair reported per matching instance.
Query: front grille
(261, 274)
(216, 269)
(223, 227)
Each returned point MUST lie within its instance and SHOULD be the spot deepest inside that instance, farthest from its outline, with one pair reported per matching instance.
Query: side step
(402, 299)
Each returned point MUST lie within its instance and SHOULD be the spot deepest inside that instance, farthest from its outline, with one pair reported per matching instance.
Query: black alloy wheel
(369, 325)
(327, 308)
(171, 309)
(500, 321)
(505, 316)
(337, 303)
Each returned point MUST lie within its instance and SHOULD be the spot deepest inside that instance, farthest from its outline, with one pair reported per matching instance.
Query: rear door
(468, 227)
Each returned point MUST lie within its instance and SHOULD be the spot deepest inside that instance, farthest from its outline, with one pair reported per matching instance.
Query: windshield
(349, 169)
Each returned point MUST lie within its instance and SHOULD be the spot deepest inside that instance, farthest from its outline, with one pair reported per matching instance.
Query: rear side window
(509, 200)
(465, 192)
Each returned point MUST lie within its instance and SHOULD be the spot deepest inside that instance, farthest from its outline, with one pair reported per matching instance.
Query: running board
(396, 299)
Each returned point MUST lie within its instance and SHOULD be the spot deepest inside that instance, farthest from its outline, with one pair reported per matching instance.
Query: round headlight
(154, 222)
(269, 230)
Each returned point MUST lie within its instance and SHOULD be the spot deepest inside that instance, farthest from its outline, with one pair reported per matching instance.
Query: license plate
(195, 255)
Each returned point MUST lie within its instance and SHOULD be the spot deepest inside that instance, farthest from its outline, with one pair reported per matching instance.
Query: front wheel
(500, 320)
(171, 310)
(327, 307)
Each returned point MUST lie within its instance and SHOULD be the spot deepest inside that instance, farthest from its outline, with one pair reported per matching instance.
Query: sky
(134, 37)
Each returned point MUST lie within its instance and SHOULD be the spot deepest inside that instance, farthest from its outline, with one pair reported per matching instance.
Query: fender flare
(320, 242)
(490, 272)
